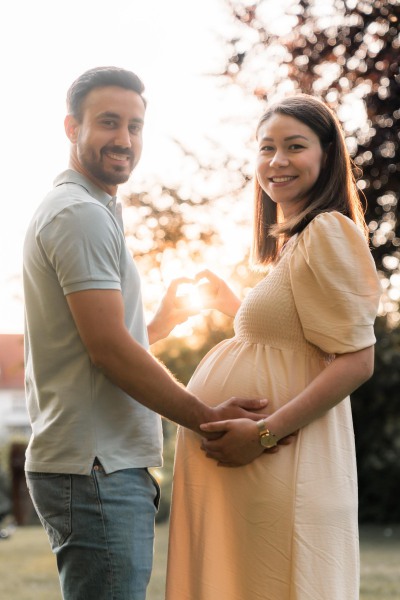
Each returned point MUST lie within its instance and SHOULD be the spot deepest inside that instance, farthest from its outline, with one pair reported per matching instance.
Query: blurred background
(209, 68)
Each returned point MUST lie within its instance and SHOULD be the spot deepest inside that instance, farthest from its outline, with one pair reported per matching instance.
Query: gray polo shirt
(74, 243)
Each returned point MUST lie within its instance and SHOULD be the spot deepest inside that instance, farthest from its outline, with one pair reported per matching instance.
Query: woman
(284, 525)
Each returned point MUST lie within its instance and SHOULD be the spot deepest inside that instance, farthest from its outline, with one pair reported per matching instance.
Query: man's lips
(119, 156)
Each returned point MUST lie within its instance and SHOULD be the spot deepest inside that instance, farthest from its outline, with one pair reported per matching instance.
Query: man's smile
(119, 156)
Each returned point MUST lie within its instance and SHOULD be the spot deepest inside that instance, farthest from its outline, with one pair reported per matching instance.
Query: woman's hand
(238, 445)
(170, 312)
(215, 293)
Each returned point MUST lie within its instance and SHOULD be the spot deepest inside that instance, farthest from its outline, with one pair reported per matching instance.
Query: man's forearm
(99, 318)
(129, 366)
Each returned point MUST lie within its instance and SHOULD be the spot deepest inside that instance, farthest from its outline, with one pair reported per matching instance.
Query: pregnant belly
(246, 370)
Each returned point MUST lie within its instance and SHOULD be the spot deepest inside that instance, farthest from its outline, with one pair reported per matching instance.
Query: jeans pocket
(51, 497)
(158, 489)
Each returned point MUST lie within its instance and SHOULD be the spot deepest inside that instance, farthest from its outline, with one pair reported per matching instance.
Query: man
(93, 389)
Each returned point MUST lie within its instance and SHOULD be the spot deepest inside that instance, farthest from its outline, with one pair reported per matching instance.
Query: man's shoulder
(71, 188)
(78, 184)
(70, 199)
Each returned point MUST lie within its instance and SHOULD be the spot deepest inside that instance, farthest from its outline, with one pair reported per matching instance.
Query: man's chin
(115, 177)
(118, 179)
(107, 176)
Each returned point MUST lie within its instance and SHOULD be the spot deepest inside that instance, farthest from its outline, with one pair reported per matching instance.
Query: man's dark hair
(100, 77)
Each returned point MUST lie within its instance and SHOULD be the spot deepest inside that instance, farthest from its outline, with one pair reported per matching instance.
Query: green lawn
(27, 568)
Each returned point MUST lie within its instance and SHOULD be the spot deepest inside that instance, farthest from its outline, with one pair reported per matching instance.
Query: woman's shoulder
(334, 220)
(331, 225)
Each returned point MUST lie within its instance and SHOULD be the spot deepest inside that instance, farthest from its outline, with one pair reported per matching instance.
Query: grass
(380, 563)
(28, 571)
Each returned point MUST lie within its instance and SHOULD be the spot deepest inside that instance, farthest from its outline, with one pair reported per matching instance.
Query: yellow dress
(285, 526)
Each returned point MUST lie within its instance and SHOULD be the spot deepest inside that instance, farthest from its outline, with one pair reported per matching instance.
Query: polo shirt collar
(71, 176)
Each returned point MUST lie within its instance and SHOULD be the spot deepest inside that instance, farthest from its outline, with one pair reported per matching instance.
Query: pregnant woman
(284, 525)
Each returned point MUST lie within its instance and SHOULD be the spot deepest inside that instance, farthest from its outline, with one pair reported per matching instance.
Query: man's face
(108, 140)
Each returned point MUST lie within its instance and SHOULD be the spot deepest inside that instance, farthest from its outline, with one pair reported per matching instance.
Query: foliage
(177, 229)
(346, 53)
(377, 428)
(181, 357)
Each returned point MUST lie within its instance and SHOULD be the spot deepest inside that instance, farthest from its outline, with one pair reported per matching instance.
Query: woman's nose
(279, 159)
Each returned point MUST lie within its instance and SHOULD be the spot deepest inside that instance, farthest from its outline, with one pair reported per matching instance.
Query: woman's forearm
(339, 379)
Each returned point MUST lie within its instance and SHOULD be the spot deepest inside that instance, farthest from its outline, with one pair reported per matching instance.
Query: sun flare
(188, 296)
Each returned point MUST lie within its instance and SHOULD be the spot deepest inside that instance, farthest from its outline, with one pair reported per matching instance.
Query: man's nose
(123, 138)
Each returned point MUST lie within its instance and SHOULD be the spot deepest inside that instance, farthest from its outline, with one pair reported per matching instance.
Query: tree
(377, 429)
(345, 52)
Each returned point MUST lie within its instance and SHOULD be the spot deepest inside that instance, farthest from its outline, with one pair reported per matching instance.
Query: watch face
(268, 440)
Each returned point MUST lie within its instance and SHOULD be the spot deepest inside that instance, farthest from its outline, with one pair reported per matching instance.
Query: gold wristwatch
(267, 439)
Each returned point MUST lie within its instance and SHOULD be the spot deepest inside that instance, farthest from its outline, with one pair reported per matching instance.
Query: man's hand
(241, 408)
(170, 312)
(232, 409)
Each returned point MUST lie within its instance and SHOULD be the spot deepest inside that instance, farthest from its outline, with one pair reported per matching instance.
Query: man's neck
(109, 189)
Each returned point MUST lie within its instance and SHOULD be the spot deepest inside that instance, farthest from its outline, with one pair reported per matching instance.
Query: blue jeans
(101, 529)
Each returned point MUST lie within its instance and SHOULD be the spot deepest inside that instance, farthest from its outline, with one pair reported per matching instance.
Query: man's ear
(71, 127)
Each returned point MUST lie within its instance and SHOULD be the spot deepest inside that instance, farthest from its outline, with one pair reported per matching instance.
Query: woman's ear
(71, 127)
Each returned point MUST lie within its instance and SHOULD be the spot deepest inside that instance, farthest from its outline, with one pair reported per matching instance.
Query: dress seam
(308, 352)
(297, 460)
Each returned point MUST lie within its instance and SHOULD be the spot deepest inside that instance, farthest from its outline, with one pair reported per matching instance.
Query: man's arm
(99, 318)
(169, 313)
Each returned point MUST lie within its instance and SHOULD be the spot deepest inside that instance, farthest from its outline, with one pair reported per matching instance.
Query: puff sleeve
(335, 285)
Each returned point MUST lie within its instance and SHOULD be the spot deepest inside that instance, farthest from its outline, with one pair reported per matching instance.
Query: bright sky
(46, 44)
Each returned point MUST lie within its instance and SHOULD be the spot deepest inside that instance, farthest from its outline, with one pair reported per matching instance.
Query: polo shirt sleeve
(83, 244)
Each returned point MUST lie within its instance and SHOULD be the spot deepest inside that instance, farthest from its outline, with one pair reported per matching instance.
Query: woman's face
(290, 159)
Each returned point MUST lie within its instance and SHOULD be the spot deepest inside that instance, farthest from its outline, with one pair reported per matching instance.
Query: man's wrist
(156, 333)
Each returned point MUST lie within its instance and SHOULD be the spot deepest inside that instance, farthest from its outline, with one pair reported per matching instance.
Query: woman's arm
(339, 379)
(216, 293)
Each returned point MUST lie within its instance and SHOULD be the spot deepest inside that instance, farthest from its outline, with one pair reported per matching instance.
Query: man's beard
(94, 166)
